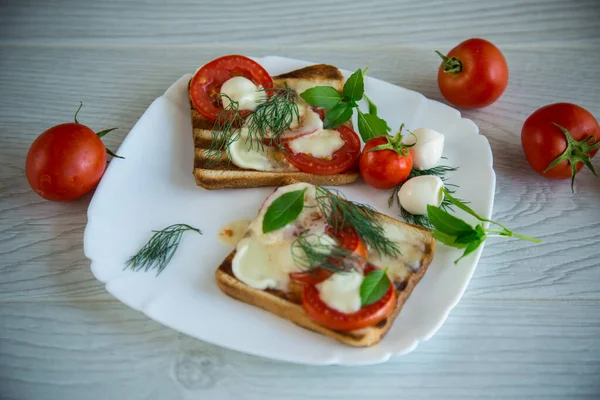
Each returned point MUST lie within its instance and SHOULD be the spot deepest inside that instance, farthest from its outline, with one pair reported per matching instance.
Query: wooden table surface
(528, 326)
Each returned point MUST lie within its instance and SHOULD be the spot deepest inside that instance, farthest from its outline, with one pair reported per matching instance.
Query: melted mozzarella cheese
(411, 247)
(419, 192)
(427, 151)
(242, 90)
(307, 121)
(261, 265)
(251, 157)
(320, 145)
(341, 291)
(264, 260)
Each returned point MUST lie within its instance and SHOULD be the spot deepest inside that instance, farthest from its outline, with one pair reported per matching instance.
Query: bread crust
(288, 305)
(226, 175)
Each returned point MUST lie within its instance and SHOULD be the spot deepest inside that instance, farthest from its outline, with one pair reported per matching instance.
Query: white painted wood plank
(309, 22)
(40, 242)
(512, 350)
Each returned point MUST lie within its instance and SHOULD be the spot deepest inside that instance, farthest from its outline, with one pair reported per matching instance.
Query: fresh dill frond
(420, 220)
(273, 117)
(227, 129)
(341, 213)
(265, 125)
(440, 171)
(159, 250)
(311, 251)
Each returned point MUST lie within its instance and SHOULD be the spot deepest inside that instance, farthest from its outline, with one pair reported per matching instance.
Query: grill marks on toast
(288, 305)
(220, 173)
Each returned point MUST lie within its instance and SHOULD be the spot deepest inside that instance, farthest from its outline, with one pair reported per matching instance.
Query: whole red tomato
(66, 161)
(474, 74)
(558, 139)
(385, 162)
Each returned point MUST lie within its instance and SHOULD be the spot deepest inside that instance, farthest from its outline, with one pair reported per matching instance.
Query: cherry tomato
(474, 74)
(349, 241)
(341, 160)
(544, 140)
(368, 315)
(66, 161)
(385, 169)
(206, 84)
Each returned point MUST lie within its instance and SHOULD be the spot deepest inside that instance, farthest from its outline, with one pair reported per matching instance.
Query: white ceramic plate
(153, 187)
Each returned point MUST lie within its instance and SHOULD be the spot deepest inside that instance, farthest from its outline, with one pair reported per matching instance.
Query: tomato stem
(576, 152)
(394, 143)
(77, 112)
(108, 151)
(451, 65)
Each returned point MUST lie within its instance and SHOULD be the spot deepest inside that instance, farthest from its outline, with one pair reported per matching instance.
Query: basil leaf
(466, 239)
(374, 286)
(448, 224)
(372, 106)
(321, 96)
(471, 247)
(354, 88)
(448, 240)
(371, 126)
(283, 210)
(464, 207)
(337, 116)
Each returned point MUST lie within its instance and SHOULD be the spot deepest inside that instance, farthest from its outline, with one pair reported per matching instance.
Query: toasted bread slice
(288, 304)
(222, 174)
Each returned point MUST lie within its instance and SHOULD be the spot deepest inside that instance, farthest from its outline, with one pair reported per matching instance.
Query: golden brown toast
(222, 174)
(288, 304)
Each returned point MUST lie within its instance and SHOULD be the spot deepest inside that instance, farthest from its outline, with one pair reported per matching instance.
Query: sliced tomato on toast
(341, 160)
(349, 241)
(368, 315)
(206, 84)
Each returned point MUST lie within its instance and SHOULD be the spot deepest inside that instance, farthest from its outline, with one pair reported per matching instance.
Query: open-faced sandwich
(327, 264)
(251, 129)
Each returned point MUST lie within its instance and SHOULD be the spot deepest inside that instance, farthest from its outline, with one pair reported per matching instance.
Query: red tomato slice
(311, 277)
(206, 84)
(348, 240)
(369, 315)
(311, 122)
(340, 161)
(320, 111)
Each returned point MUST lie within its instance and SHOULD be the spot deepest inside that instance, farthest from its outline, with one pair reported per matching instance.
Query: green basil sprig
(283, 210)
(374, 286)
(340, 106)
(455, 232)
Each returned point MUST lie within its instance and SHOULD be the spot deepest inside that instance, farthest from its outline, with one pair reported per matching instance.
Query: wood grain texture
(310, 22)
(105, 350)
(41, 246)
(529, 324)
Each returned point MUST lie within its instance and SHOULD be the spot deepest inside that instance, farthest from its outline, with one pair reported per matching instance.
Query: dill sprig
(341, 213)
(227, 129)
(273, 117)
(265, 125)
(311, 251)
(422, 220)
(159, 250)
